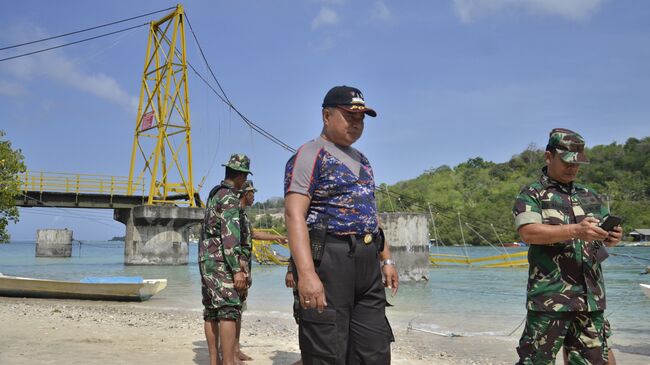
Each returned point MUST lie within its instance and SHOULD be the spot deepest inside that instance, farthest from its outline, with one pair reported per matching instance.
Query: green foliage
(269, 214)
(11, 164)
(269, 221)
(483, 192)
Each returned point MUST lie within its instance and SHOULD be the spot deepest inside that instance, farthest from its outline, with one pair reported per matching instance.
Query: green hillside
(483, 192)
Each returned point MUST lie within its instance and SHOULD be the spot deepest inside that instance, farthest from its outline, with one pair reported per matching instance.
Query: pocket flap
(328, 316)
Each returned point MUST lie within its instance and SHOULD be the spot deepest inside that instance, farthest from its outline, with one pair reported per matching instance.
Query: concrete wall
(407, 234)
(157, 235)
(53, 243)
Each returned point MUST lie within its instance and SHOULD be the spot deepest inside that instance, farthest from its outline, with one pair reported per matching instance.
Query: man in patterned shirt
(335, 241)
(222, 263)
(566, 289)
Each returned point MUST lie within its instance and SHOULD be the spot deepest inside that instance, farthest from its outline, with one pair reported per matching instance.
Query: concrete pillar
(53, 243)
(157, 235)
(408, 237)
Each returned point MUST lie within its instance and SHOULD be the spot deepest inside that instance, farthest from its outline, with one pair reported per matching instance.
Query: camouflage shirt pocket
(554, 212)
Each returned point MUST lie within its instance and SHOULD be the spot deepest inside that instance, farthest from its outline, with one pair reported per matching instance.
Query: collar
(547, 181)
(227, 184)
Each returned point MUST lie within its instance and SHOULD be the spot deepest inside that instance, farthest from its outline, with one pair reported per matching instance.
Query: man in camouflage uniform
(336, 243)
(566, 289)
(247, 198)
(222, 263)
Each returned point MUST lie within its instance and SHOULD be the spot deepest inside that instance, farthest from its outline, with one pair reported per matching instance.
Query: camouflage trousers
(220, 299)
(583, 335)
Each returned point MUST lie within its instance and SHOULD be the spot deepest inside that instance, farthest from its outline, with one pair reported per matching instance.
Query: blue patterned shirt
(340, 184)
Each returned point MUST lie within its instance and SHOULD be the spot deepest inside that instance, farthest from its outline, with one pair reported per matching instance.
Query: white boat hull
(12, 286)
(646, 289)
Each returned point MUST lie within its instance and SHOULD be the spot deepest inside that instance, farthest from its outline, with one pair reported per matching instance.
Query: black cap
(347, 98)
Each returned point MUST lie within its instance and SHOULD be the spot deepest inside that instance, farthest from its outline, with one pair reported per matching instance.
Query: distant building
(640, 234)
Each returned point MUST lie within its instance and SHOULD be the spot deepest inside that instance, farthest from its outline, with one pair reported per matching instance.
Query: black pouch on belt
(317, 236)
(380, 240)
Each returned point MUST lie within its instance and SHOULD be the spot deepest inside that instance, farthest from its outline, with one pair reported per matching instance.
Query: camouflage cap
(569, 144)
(239, 162)
(248, 186)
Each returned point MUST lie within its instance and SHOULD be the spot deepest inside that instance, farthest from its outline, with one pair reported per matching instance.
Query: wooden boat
(112, 288)
(646, 289)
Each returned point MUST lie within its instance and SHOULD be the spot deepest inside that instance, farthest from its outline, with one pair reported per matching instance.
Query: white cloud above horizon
(573, 10)
(55, 65)
(8, 88)
(325, 17)
(380, 11)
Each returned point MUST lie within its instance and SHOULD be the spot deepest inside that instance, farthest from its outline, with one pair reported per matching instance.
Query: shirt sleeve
(527, 209)
(246, 236)
(231, 233)
(302, 170)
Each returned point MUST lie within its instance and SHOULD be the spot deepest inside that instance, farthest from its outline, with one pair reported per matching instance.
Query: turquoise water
(467, 301)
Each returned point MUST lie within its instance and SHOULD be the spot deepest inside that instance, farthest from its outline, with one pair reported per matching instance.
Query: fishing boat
(646, 289)
(135, 289)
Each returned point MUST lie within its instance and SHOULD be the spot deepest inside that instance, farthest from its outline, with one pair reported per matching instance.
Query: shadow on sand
(284, 357)
(202, 357)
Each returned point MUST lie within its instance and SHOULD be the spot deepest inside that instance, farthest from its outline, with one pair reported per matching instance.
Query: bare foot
(244, 357)
(299, 362)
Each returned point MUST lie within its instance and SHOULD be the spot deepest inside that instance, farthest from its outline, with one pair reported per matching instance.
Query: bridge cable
(227, 101)
(85, 30)
(71, 43)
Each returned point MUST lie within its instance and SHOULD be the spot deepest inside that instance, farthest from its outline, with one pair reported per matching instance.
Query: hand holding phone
(610, 222)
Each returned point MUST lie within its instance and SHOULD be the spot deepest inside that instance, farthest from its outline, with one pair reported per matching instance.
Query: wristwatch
(388, 262)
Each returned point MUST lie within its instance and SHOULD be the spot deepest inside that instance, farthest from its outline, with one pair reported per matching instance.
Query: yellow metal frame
(505, 260)
(41, 181)
(264, 253)
(164, 94)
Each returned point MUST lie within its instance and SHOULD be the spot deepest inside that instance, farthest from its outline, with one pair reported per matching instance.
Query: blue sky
(450, 79)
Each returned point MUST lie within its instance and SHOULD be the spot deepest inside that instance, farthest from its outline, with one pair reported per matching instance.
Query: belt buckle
(367, 239)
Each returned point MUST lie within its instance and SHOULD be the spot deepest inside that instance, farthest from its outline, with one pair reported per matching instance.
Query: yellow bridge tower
(162, 147)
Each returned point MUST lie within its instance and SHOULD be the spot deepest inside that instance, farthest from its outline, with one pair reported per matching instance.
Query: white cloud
(325, 44)
(575, 10)
(57, 66)
(326, 16)
(11, 88)
(336, 2)
(380, 11)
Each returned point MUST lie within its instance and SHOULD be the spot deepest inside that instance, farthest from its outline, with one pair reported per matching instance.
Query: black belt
(366, 238)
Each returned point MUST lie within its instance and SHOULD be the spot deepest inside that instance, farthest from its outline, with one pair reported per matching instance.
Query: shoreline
(94, 332)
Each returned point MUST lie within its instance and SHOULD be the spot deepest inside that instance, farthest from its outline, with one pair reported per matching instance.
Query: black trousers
(353, 328)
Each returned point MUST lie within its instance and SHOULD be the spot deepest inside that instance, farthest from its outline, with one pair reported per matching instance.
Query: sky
(450, 80)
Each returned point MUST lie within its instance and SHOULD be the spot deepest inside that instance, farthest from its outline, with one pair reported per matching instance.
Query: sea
(455, 300)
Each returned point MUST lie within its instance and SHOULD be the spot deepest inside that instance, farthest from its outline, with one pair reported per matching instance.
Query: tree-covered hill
(482, 192)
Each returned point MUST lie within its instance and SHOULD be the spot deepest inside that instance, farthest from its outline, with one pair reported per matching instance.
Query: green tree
(483, 192)
(11, 164)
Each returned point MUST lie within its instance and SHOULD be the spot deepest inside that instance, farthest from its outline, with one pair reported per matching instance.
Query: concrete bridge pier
(407, 235)
(53, 243)
(157, 235)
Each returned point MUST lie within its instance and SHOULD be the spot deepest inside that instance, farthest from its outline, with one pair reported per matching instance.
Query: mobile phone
(610, 222)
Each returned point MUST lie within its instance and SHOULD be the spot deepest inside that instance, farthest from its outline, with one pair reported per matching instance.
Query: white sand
(41, 331)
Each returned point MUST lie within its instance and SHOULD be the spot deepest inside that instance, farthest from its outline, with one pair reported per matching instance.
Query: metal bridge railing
(40, 181)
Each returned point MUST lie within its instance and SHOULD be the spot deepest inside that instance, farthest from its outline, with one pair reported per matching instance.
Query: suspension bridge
(159, 198)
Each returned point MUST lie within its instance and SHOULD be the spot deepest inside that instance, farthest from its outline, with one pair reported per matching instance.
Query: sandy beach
(86, 332)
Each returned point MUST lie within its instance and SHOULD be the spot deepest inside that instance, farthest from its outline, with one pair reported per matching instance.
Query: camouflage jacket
(246, 235)
(221, 229)
(563, 276)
